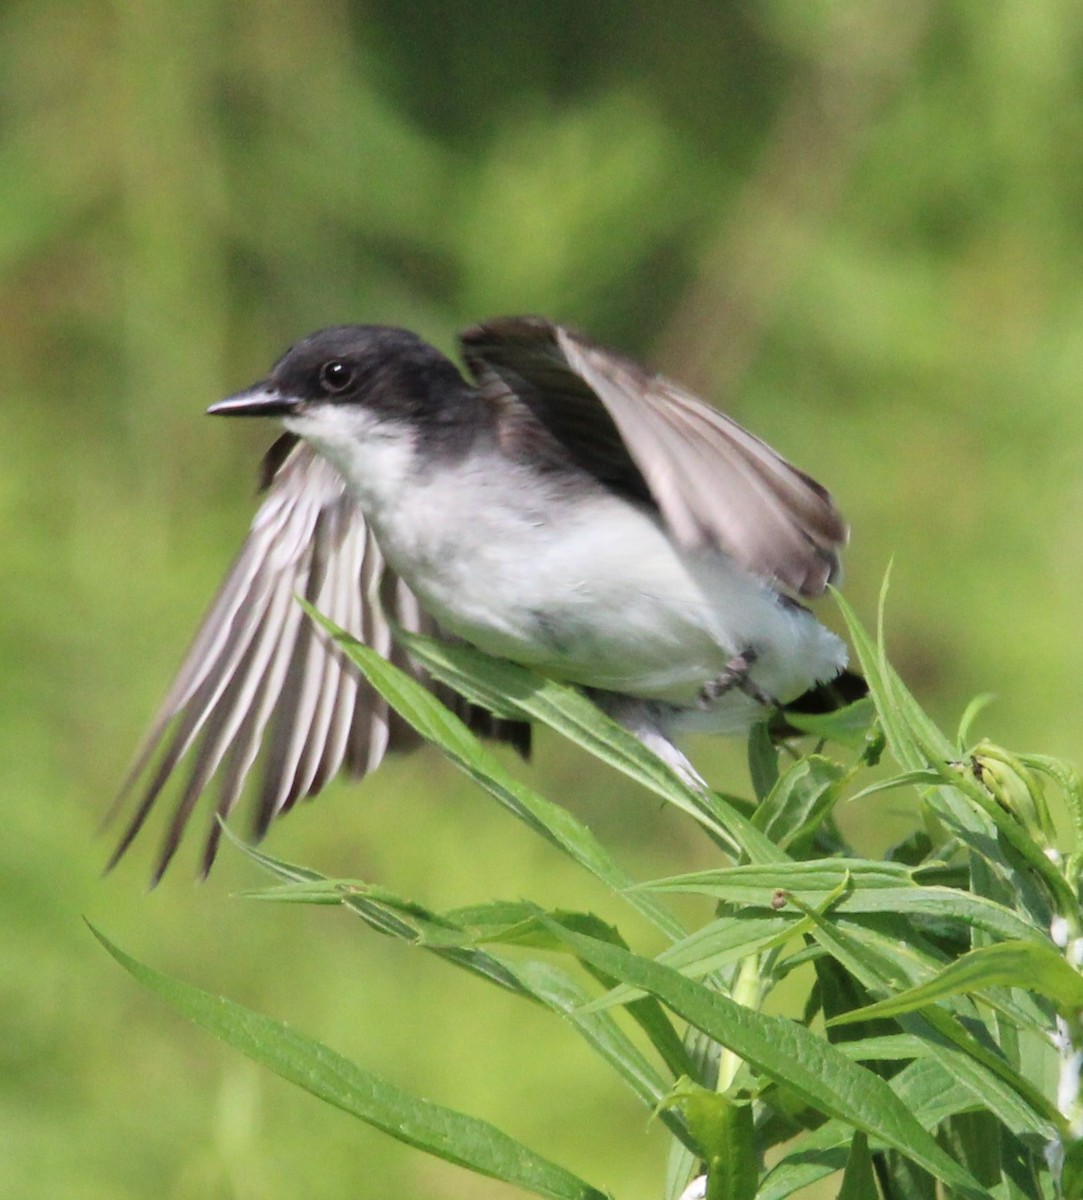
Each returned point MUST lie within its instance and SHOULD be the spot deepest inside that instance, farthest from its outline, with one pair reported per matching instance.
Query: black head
(385, 369)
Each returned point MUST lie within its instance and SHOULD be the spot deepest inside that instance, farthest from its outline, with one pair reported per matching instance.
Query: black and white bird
(563, 508)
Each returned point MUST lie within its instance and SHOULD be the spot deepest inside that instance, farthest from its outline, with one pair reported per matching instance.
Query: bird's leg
(735, 674)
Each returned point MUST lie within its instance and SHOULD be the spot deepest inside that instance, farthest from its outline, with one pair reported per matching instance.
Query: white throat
(375, 457)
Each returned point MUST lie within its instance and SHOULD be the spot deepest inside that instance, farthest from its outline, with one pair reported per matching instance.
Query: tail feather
(846, 688)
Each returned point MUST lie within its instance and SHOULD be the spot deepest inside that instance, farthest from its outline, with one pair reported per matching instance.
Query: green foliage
(854, 224)
(933, 987)
(459, 1139)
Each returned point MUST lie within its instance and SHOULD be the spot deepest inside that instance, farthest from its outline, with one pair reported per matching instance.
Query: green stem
(747, 991)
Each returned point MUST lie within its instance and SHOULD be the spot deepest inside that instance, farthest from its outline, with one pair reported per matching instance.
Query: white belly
(596, 594)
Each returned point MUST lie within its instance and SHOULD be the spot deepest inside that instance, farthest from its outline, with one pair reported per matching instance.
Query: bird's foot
(735, 674)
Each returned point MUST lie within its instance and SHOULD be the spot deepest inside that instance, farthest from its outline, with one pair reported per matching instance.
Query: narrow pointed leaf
(714, 947)
(449, 938)
(439, 1131)
(858, 1182)
(422, 710)
(788, 1053)
(1008, 964)
(762, 760)
(992, 1081)
(873, 886)
(801, 799)
(848, 726)
(492, 680)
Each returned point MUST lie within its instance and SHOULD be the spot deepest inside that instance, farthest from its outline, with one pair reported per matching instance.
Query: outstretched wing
(713, 482)
(262, 682)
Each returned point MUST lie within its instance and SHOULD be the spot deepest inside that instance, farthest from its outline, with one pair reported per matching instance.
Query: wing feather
(714, 483)
(260, 684)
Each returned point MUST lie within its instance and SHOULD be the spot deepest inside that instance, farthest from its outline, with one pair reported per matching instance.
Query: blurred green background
(858, 226)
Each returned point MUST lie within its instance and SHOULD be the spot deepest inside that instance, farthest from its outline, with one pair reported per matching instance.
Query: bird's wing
(714, 483)
(261, 681)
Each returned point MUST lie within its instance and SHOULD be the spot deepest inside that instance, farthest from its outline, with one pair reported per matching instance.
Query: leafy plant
(943, 982)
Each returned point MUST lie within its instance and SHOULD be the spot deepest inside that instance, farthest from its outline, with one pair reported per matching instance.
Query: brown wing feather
(714, 483)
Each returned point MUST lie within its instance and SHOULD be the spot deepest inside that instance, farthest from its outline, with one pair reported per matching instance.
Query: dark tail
(844, 689)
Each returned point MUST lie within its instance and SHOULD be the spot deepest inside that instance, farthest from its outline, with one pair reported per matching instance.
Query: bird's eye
(336, 376)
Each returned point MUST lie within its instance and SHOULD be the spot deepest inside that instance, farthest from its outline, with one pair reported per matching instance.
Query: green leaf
(868, 885)
(560, 993)
(889, 1048)
(716, 945)
(976, 706)
(786, 1052)
(424, 712)
(847, 726)
(858, 1181)
(877, 963)
(800, 800)
(762, 759)
(449, 938)
(918, 745)
(1035, 968)
(1068, 779)
(807, 1160)
(915, 742)
(494, 681)
(905, 724)
(454, 936)
(916, 779)
(439, 1131)
(931, 1092)
(724, 1131)
(974, 1138)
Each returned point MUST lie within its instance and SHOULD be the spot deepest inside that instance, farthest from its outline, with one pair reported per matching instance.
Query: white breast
(590, 588)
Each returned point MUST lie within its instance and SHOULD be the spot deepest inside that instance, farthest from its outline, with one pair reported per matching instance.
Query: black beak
(259, 400)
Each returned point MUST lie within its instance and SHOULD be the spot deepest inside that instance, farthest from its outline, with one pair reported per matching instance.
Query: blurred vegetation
(856, 224)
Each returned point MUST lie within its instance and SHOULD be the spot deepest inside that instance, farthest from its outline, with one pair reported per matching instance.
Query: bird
(557, 504)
